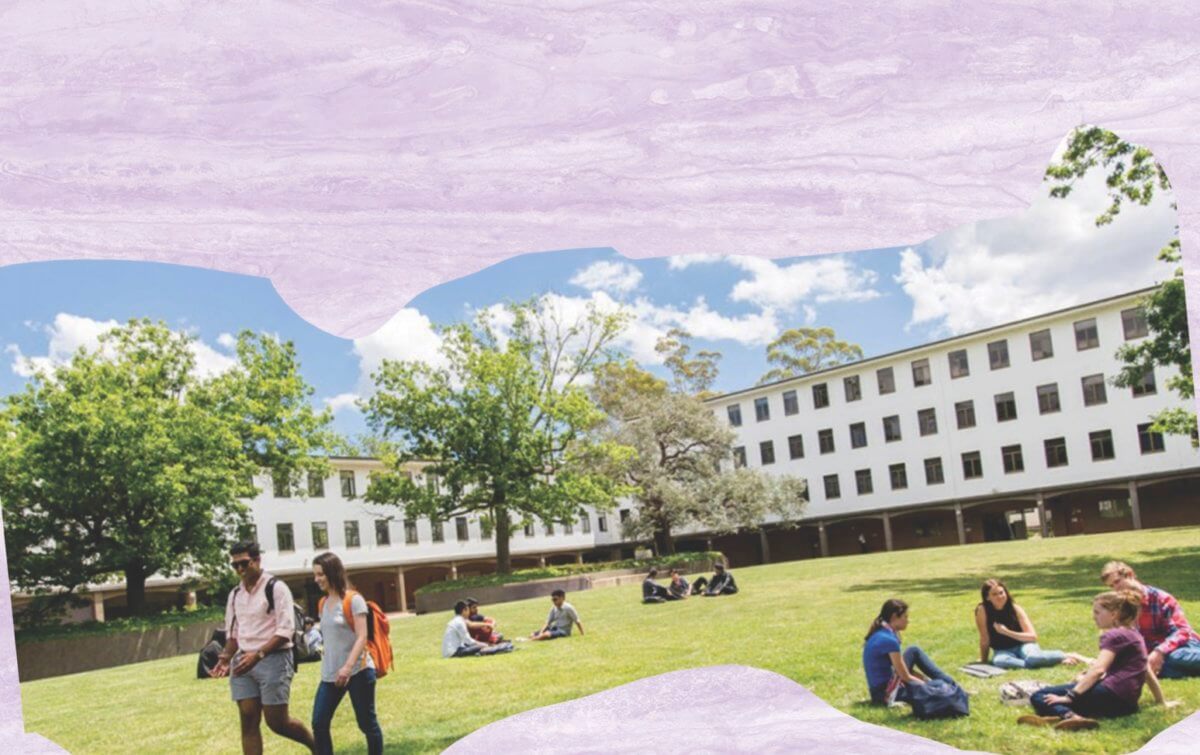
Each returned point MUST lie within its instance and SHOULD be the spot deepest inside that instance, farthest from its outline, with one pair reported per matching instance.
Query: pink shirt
(248, 621)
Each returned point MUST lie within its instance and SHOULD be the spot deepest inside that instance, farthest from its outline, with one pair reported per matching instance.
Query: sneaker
(1032, 720)
(1076, 723)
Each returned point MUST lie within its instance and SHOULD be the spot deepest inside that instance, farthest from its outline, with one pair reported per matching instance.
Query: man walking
(257, 656)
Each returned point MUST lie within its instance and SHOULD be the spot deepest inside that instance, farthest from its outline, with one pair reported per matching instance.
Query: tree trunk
(664, 544)
(135, 587)
(503, 535)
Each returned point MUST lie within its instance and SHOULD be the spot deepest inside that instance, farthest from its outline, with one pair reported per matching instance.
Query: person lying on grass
(1174, 647)
(1112, 683)
(457, 641)
(1005, 629)
(562, 617)
(890, 672)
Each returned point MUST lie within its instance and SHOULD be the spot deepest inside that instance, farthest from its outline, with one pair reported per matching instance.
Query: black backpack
(938, 699)
(299, 645)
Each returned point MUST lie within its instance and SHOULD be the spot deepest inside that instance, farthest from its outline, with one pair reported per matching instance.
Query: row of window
(316, 485)
(1094, 393)
(1041, 347)
(1011, 458)
(285, 536)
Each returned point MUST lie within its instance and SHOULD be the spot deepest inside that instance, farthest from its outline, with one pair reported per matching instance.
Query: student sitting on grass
(1113, 683)
(482, 628)
(722, 583)
(1174, 647)
(562, 617)
(679, 586)
(652, 592)
(1005, 629)
(890, 672)
(457, 641)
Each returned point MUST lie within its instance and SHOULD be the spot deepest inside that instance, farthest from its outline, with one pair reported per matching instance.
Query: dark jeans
(1097, 702)
(362, 697)
(914, 658)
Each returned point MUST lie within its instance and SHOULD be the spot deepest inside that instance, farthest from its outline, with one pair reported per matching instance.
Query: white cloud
(227, 341)
(682, 261)
(342, 401)
(1051, 256)
(784, 287)
(606, 275)
(209, 361)
(409, 335)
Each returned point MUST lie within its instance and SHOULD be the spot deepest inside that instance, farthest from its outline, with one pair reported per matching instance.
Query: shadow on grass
(1067, 580)
(400, 746)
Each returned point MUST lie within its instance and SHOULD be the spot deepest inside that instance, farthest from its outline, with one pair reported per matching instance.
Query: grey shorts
(270, 680)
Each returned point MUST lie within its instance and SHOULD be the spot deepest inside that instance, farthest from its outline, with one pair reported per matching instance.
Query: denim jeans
(362, 697)
(1185, 661)
(914, 658)
(1097, 702)
(1028, 655)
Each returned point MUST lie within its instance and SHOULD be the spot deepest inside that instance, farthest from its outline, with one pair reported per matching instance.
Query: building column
(708, 544)
(402, 589)
(887, 530)
(958, 519)
(765, 546)
(1135, 504)
(579, 557)
(824, 539)
(98, 606)
(453, 570)
(1041, 508)
(542, 561)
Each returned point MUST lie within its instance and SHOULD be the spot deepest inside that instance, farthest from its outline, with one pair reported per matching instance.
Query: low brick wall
(71, 655)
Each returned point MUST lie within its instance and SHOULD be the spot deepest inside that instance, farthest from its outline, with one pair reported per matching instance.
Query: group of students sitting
(472, 633)
(1144, 637)
(722, 583)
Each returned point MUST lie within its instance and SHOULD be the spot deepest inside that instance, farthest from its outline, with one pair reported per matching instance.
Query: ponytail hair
(1125, 604)
(892, 607)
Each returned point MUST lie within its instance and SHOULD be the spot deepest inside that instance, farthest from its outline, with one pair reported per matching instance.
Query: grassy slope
(803, 619)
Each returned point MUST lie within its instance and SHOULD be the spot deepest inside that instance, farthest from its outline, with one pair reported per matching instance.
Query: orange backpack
(378, 627)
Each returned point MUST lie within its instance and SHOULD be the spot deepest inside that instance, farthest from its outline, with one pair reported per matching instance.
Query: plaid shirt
(1162, 623)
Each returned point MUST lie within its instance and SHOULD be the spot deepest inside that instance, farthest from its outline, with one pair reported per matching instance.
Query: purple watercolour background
(356, 153)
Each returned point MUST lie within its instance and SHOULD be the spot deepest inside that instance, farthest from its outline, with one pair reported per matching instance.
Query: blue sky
(970, 277)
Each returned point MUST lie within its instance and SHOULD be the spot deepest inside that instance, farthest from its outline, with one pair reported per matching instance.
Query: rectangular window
(899, 476)
(739, 457)
(285, 538)
(795, 446)
(1056, 452)
(410, 532)
(766, 452)
(927, 421)
(1102, 445)
(959, 366)
(964, 413)
(972, 465)
(316, 486)
(461, 531)
(1006, 407)
(585, 524)
(383, 532)
(921, 373)
(439, 531)
(791, 404)
(998, 354)
(762, 409)
(1013, 460)
(1147, 386)
(248, 532)
(1094, 391)
(858, 435)
(346, 477)
(1040, 345)
(549, 528)
(933, 471)
(887, 381)
(833, 489)
(820, 395)
(279, 482)
(1150, 441)
(1086, 335)
(825, 441)
(1048, 398)
(853, 388)
(568, 528)
(891, 428)
(529, 530)
(1116, 508)
(352, 540)
(486, 528)
(862, 481)
(735, 414)
(602, 522)
(625, 514)
(1134, 322)
(320, 534)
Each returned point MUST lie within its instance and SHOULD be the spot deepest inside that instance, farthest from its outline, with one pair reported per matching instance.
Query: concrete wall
(47, 658)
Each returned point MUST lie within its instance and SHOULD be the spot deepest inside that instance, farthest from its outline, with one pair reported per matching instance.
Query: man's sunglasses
(241, 564)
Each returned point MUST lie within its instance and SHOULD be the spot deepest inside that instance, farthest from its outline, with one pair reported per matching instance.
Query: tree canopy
(799, 351)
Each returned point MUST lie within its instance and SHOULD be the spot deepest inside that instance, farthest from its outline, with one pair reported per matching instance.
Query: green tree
(506, 429)
(675, 476)
(695, 376)
(799, 351)
(123, 462)
(1132, 175)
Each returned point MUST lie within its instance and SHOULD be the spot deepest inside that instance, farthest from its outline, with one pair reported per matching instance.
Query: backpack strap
(271, 594)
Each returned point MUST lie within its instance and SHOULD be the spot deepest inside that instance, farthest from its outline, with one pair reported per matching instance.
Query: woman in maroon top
(1113, 682)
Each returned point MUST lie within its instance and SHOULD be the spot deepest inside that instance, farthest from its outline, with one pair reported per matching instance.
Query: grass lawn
(803, 619)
